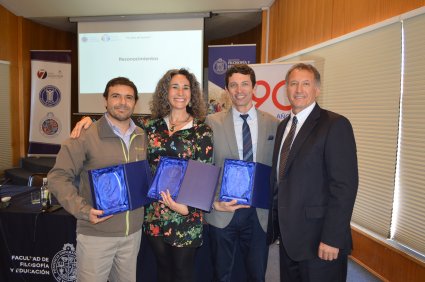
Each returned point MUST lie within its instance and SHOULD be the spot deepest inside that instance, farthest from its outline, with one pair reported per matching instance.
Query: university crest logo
(64, 264)
(49, 96)
(220, 66)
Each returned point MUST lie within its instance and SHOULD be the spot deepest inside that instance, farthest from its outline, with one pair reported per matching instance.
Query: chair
(36, 179)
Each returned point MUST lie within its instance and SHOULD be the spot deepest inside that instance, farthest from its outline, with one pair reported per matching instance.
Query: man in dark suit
(313, 184)
(232, 224)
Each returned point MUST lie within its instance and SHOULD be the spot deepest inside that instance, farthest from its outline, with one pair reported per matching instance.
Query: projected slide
(142, 50)
(143, 57)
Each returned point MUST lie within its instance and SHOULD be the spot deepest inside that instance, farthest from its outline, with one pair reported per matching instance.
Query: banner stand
(50, 101)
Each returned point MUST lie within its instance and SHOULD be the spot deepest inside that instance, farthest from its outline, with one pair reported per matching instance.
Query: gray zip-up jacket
(97, 147)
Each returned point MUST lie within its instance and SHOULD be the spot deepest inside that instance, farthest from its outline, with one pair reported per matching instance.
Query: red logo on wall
(42, 74)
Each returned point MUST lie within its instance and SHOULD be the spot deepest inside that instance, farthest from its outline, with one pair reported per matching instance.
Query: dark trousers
(313, 270)
(243, 230)
(173, 264)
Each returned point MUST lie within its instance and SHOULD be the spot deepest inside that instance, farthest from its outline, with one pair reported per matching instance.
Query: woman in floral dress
(176, 129)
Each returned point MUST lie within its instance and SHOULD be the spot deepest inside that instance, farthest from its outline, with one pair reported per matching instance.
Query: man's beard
(120, 117)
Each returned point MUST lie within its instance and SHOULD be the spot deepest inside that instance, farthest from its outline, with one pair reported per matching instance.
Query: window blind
(5, 126)
(409, 220)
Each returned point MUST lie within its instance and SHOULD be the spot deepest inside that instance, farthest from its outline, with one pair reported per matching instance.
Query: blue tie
(247, 142)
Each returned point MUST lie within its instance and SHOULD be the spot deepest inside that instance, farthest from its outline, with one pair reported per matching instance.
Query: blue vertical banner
(220, 58)
(50, 101)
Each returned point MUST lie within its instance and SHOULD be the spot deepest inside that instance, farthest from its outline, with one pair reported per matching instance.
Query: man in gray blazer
(232, 224)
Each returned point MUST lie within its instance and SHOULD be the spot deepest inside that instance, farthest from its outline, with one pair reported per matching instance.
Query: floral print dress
(194, 143)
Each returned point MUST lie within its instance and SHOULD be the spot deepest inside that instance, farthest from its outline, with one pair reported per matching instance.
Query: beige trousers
(100, 259)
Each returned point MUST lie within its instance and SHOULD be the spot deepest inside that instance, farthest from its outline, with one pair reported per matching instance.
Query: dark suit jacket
(314, 201)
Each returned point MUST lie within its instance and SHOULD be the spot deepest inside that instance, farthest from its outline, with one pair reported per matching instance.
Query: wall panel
(9, 50)
(352, 15)
(385, 261)
(18, 36)
(296, 25)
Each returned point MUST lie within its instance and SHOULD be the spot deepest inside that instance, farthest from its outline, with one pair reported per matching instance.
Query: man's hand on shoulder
(94, 216)
(228, 206)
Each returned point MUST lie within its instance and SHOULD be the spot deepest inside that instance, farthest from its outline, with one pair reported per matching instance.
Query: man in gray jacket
(107, 247)
(232, 224)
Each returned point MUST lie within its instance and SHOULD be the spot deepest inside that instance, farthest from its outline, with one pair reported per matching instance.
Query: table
(36, 246)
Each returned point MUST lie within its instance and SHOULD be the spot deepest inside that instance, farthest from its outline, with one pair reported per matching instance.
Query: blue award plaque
(190, 182)
(121, 187)
(246, 182)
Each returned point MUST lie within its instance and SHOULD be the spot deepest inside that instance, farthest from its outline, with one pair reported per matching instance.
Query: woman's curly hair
(160, 107)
